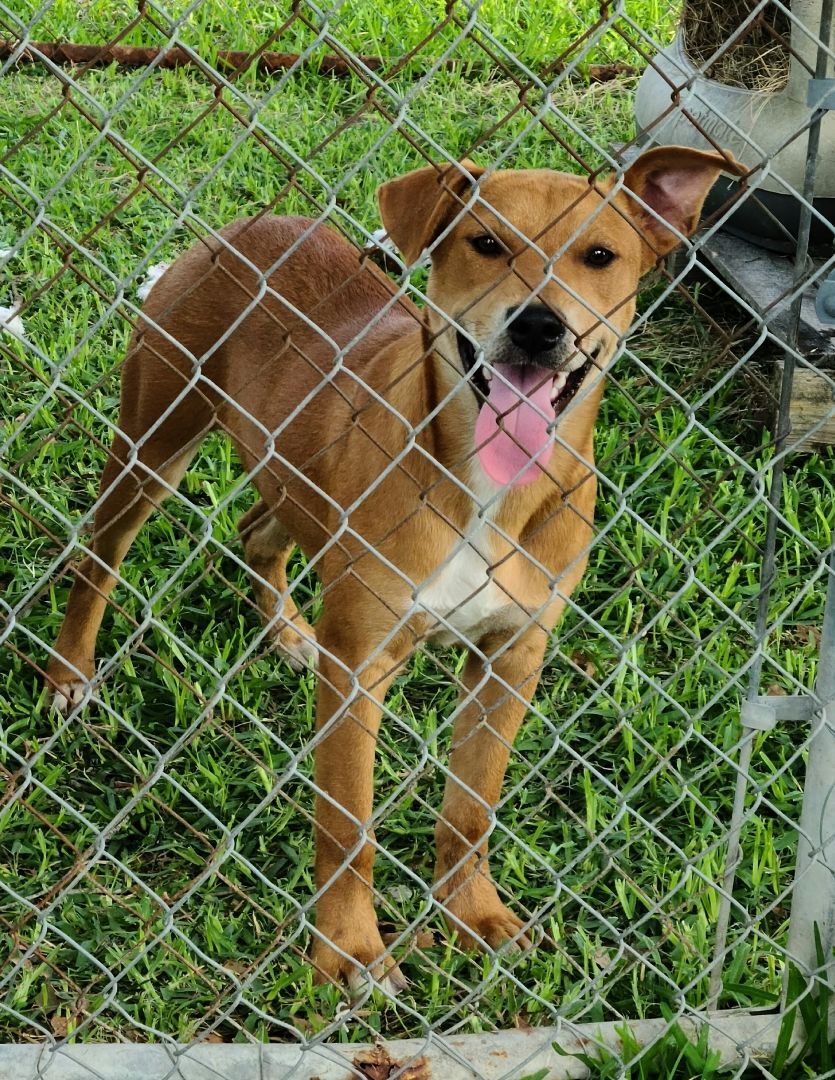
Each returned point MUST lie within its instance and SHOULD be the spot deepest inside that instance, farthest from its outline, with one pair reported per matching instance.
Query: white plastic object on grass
(11, 322)
(384, 242)
(153, 275)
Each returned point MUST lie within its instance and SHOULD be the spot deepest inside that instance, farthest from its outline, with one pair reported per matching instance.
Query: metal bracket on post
(820, 94)
(825, 300)
(763, 712)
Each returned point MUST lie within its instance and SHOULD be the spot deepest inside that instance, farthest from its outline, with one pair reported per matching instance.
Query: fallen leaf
(374, 1064)
(401, 894)
(423, 940)
(584, 663)
(377, 1064)
(60, 1025)
(521, 1022)
(417, 1070)
(607, 72)
(602, 958)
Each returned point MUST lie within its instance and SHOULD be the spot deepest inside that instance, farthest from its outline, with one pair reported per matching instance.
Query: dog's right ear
(673, 181)
(416, 208)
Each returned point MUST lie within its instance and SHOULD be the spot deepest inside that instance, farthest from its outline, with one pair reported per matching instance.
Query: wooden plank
(811, 409)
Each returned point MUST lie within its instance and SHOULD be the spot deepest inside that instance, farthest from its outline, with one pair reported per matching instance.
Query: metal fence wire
(659, 892)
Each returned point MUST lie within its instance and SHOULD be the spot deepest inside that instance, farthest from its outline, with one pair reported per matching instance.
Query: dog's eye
(486, 245)
(598, 257)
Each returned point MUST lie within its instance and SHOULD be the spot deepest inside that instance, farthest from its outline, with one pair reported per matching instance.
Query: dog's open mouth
(520, 405)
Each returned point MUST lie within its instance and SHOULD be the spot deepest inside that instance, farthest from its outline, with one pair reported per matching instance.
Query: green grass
(514, 30)
(618, 798)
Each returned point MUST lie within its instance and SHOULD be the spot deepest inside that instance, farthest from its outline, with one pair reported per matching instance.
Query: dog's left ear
(417, 207)
(674, 182)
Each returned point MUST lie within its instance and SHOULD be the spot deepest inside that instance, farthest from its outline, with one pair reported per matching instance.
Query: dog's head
(538, 272)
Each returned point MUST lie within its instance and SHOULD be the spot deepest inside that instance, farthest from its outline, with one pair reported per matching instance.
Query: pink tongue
(511, 430)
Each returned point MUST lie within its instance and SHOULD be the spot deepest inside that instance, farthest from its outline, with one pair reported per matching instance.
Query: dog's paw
(67, 696)
(67, 683)
(353, 954)
(499, 929)
(479, 918)
(299, 650)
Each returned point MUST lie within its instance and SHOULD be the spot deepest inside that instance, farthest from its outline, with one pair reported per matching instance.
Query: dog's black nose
(535, 329)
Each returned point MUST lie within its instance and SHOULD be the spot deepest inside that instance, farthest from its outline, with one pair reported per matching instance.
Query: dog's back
(289, 291)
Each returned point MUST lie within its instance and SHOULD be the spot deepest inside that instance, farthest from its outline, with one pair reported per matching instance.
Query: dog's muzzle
(534, 371)
(565, 381)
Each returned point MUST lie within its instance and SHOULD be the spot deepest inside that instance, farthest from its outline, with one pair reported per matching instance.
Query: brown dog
(437, 469)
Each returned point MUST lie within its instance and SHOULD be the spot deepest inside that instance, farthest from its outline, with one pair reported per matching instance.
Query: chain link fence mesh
(157, 841)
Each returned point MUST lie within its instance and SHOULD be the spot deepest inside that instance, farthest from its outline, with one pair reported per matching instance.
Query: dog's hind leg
(268, 546)
(157, 436)
(128, 493)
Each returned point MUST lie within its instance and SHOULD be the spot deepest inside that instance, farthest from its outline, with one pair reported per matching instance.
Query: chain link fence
(661, 897)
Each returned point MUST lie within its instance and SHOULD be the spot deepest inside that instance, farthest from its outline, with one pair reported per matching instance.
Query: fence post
(813, 896)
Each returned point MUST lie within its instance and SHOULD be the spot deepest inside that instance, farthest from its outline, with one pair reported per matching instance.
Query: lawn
(155, 853)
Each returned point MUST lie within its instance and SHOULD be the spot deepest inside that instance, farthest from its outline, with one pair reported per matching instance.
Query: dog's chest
(463, 597)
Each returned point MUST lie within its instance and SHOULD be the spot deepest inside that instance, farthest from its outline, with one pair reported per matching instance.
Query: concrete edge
(738, 1036)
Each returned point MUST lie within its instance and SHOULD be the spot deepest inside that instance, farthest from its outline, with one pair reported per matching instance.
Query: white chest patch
(462, 595)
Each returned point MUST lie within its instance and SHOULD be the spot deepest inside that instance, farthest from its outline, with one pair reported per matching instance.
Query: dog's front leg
(482, 737)
(350, 696)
